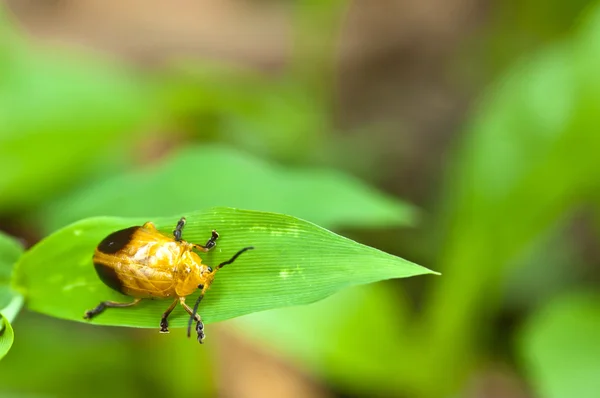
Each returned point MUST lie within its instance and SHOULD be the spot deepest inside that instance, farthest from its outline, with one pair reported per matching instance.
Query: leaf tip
(430, 271)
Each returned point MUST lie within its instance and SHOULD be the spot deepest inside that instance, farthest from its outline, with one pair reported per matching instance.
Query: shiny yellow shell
(141, 262)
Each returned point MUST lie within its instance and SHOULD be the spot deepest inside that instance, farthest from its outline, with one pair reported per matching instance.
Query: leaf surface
(10, 301)
(207, 176)
(294, 262)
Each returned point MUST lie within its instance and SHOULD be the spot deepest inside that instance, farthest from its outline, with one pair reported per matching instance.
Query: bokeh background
(475, 121)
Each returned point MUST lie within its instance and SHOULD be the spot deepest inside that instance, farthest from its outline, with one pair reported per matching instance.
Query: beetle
(141, 262)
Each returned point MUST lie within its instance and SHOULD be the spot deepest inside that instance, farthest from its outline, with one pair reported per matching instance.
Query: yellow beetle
(141, 262)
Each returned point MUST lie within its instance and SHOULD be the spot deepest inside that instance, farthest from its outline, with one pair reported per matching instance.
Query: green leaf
(79, 351)
(295, 262)
(10, 251)
(361, 363)
(60, 114)
(530, 155)
(278, 118)
(560, 347)
(10, 302)
(7, 336)
(203, 177)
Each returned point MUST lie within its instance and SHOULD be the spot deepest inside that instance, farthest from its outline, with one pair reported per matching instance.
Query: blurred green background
(461, 135)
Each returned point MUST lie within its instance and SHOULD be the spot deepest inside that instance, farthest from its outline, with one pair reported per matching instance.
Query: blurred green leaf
(530, 157)
(295, 262)
(560, 347)
(10, 251)
(288, 123)
(352, 339)
(279, 118)
(103, 362)
(60, 114)
(552, 265)
(10, 302)
(7, 336)
(517, 27)
(8, 312)
(202, 177)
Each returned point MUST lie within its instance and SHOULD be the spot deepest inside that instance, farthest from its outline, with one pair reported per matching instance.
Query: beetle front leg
(210, 243)
(164, 323)
(197, 318)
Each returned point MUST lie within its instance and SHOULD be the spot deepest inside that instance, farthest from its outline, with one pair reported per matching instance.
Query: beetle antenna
(193, 316)
(236, 255)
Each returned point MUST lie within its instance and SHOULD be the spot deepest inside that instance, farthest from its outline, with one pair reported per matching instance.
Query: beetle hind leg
(108, 304)
(164, 323)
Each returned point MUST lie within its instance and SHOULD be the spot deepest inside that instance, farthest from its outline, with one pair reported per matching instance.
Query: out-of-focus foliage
(560, 347)
(202, 177)
(10, 251)
(525, 164)
(279, 119)
(57, 97)
(104, 361)
(368, 324)
(7, 336)
(294, 262)
(532, 23)
(287, 116)
(528, 158)
(10, 301)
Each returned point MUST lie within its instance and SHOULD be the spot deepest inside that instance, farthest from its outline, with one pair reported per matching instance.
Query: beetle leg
(108, 304)
(212, 242)
(199, 323)
(179, 229)
(164, 324)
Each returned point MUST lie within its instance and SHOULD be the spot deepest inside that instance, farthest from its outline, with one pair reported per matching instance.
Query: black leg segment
(194, 316)
(164, 323)
(200, 332)
(179, 229)
(108, 304)
(199, 324)
(212, 242)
